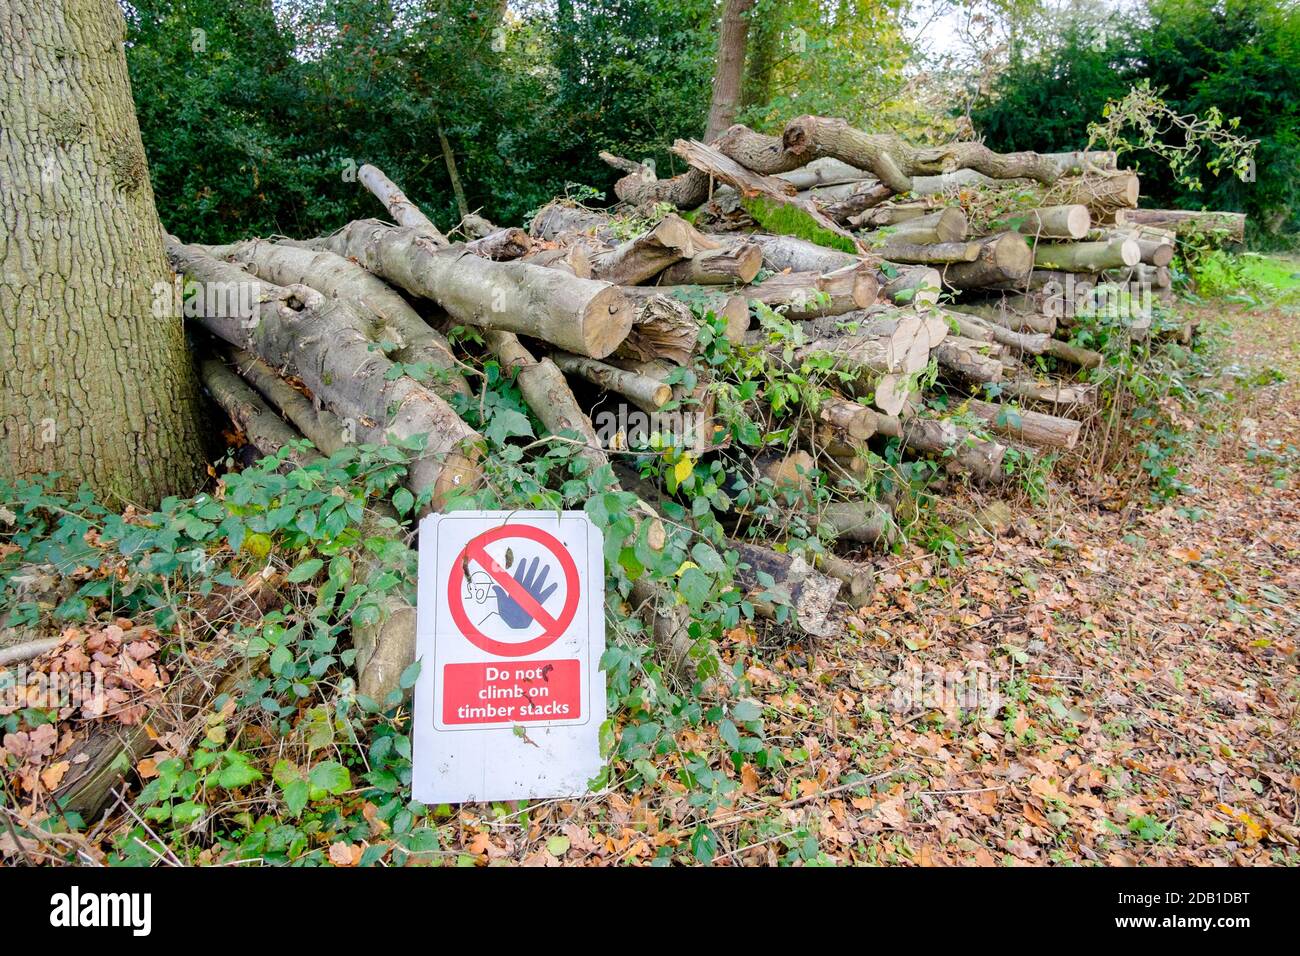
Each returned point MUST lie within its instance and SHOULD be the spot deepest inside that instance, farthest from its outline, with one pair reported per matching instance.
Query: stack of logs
(904, 284)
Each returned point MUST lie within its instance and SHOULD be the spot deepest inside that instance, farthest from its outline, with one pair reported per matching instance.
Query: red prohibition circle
(474, 550)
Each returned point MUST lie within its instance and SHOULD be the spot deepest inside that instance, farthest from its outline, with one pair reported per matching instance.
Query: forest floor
(1101, 682)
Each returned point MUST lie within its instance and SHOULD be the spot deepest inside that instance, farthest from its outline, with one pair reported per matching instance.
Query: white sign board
(510, 631)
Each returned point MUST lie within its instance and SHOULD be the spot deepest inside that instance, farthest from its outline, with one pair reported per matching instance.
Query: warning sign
(510, 632)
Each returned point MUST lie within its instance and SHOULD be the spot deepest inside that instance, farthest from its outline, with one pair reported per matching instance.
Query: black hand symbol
(532, 582)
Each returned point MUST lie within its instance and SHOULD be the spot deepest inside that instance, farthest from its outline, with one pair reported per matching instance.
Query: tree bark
(806, 295)
(736, 263)
(1002, 258)
(96, 382)
(1033, 428)
(403, 211)
(733, 33)
(392, 318)
(894, 162)
(1087, 256)
(323, 343)
(578, 315)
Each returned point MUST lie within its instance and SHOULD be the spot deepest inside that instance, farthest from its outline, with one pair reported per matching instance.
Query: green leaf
(237, 774)
(330, 776)
(409, 676)
(403, 501)
(305, 571)
(295, 796)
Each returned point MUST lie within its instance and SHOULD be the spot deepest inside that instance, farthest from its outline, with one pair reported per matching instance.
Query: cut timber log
(323, 343)
(806, 295)
(1002, 258)
(559, 219)
(1087, 256)
(876, 368)
(917, 286)
(1033, 428)
(1102, 193)
(864, 521)
(894, 162)
(899, 249)
(645, 393)
(393, 319)
(954, 446)
(750, 184)
(578, 315)
(830, 171)
(1231, 225)
(670, 240)
(943, 225)
(859, 583)
(265, 429)
(1001, 312)
(795, 584)
(572, 259)
(403, 211)
(1071, 221)
(790, 474)
(664, 324)
(502, 245)
(736, 263)
(968, 360)
(319, 425)
(1157, 277)
(1050, 393)
(799, 255)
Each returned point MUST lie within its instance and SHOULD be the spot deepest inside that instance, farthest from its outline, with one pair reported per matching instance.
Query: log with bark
(579, 315)
(324, 343)
(956, 448)
(1002, 258)
(1032, 428)
(809, 594)
(1230, 225)
(1116, 253)
(645, 393)
(751, 184)
(403, 211)
(894, 161)
(393, 319)
(664, 323)
(670, 240)
(805, 295)
(735, 263)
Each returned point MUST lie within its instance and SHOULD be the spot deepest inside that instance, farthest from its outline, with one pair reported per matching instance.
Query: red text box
(511, 692)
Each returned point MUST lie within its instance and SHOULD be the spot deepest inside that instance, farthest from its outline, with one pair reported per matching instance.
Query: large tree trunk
(95, 379)
(732, 36)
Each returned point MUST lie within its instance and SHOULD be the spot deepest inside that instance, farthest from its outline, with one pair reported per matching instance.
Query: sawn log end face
(606, 322)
